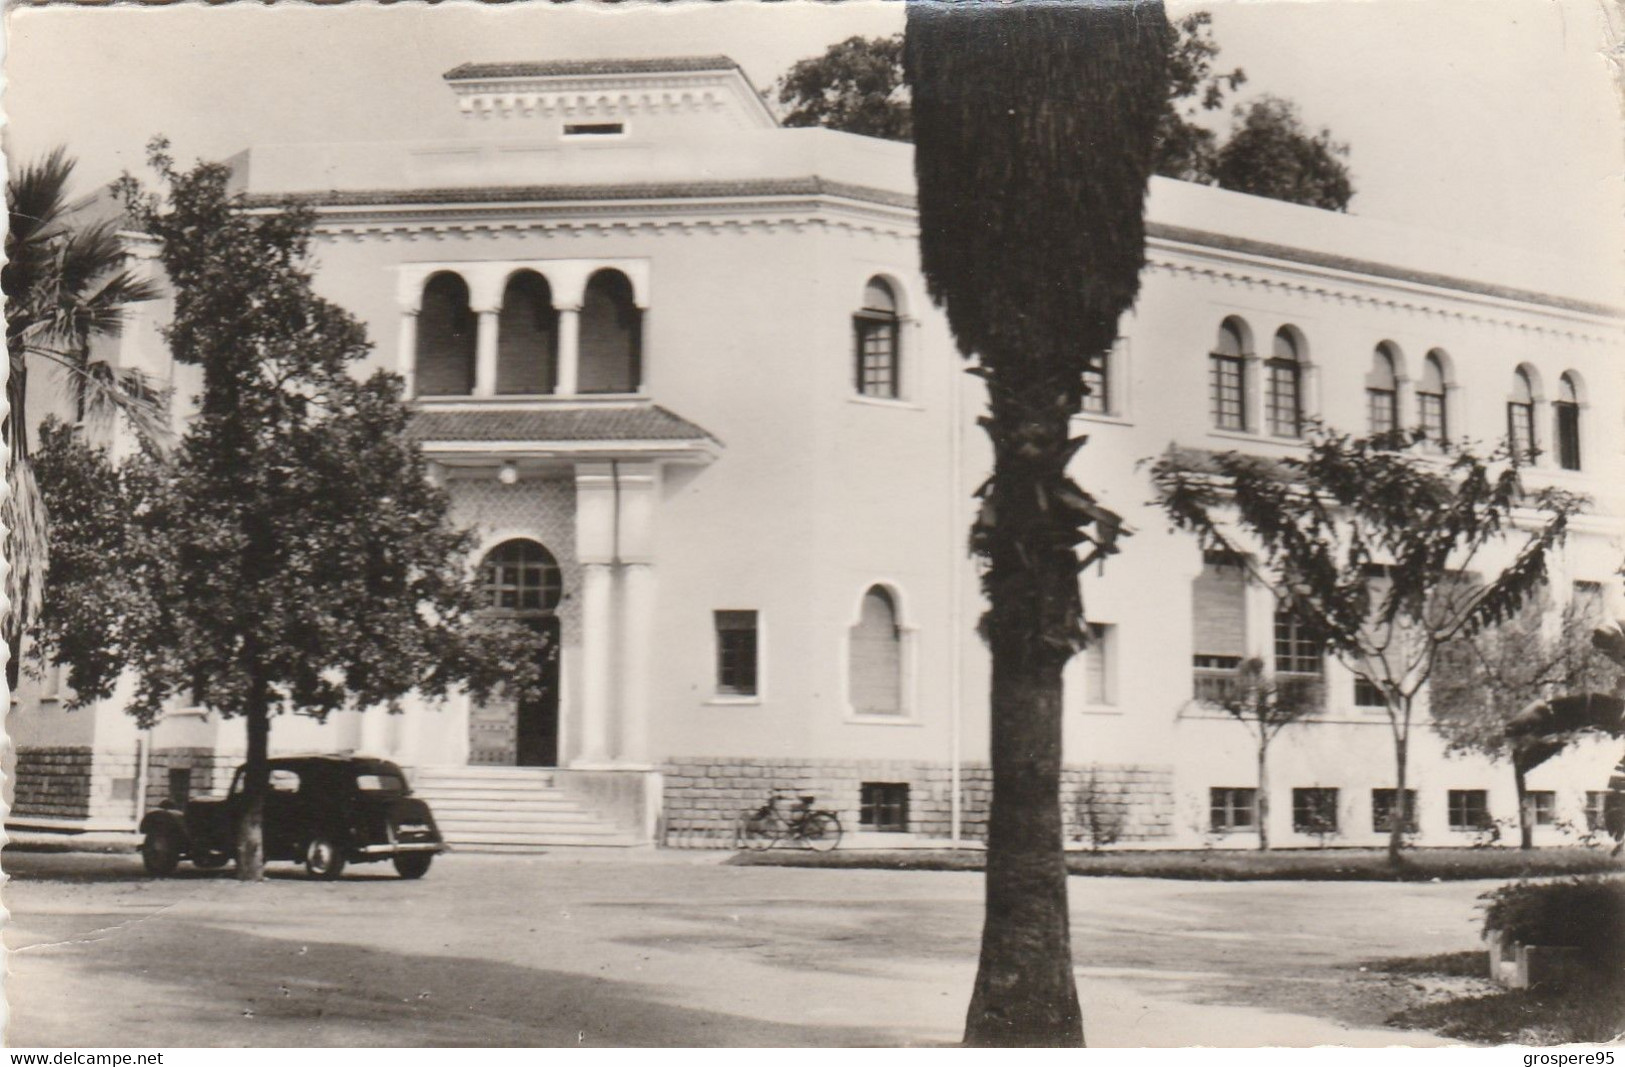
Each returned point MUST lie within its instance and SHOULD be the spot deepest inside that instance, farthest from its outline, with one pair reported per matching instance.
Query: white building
(676, 366)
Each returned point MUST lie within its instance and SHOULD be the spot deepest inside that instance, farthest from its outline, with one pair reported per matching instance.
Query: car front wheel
(323, 857)
(413, 864)
(161, 851)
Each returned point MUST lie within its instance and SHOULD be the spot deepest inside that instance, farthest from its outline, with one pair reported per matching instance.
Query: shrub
(1583, 913)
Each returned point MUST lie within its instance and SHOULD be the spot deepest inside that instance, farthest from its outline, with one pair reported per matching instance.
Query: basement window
(884, 807)
(594, 129)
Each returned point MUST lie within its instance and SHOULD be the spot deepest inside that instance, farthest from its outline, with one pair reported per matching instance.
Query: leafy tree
(293, 556)
(1035, 251)
(65, 284)
(1522, 692)
(1266, 704)
(856, 86)
(1186, 149)
(1269, 153)
(1375, 545)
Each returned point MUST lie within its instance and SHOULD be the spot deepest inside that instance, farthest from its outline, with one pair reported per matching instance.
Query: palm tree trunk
(1025, 993)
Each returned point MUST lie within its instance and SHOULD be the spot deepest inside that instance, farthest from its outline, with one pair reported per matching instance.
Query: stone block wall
(210, 772)
(77, 782)
(704, 795)
(54, 782)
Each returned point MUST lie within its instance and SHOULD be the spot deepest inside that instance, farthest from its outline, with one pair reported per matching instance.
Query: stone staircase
(509, 809)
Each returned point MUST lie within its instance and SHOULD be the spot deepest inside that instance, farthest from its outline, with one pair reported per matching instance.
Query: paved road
(676, 949)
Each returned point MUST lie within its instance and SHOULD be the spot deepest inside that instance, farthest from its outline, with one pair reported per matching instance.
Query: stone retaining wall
(54, 782)
(704, 795)
(77, 782)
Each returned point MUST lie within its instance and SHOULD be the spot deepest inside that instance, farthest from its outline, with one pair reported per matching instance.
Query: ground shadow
(187, 984)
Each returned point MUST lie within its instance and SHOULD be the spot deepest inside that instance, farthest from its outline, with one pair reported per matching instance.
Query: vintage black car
(325, 811)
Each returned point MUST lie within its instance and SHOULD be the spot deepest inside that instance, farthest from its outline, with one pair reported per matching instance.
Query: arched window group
(532, 350)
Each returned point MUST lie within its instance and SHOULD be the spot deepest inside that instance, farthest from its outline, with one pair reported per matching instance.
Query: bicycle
(766, 826)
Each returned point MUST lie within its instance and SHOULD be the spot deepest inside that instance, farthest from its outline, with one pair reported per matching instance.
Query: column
(374, 732)
(1405, 414)
(406, 355)
(569, 348)
(637, 632)
(485, 353)
(596, 637)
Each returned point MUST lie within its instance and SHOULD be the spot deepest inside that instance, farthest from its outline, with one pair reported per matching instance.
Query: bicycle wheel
(756, 832)
(821, 831)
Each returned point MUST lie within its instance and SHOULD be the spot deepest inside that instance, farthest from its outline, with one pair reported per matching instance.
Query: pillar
(485, 353)
(637, 630)
(597, 635)
(569, 349)
(406, 356)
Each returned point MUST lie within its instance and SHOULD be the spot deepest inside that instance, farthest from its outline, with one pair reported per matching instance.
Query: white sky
(1495, 119)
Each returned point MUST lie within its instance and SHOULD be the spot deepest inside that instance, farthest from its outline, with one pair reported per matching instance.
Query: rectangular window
(1542, 807)
(1226, 395)
(1232, 809)
(1430, 416)
(736, 653)
(1297, 649)
(1469, 809)
(1314, 810)
(1596, 806)
(1381, 411)
(1367, 695)
(1097, 381)
(884, 807)
(593, 129)
(1382, 811)
(877, 356)
(1521, 431)
(1099, 683)
(1285, 404)
(1218, 623)
(1568, 434)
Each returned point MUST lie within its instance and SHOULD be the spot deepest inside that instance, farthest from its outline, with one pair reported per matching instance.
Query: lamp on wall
(507, 474)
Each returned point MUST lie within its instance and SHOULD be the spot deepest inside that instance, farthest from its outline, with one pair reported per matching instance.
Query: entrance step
(510, 809)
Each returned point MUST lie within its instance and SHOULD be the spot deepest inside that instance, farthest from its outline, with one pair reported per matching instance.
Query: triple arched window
(524, 346)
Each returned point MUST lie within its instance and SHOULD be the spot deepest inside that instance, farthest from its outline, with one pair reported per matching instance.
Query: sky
(1491, 119)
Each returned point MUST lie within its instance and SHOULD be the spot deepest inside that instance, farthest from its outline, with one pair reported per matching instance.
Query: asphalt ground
(678, 949)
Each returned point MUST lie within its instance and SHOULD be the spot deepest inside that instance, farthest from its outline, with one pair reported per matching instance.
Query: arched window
(521, 576)
(1566, 411)
(446, 335)
(1521, 417)
(1227, 377)
(527, 336)
(1431, 414)
(1284, 399)
(875, 326)
(611, 336)
(876, 662)
(1382, 392)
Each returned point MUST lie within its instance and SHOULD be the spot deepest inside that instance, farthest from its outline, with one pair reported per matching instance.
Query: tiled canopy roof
(567, 67)
(642, 423)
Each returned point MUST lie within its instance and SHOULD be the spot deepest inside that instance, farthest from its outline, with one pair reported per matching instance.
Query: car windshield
(380, 783)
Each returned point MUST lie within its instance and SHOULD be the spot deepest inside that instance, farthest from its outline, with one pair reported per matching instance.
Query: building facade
(676, 367)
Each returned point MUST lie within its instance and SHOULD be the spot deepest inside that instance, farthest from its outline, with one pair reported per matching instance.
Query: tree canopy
(1386, 552)
(857, 85)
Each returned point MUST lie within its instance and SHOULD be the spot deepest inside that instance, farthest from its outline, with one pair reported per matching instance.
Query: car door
(284, 813)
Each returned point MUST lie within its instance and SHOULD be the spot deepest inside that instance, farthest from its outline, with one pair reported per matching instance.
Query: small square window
(1469, 809)
(736, 653)
(1314, 810)
(1367, 695)
(1542, 807)
(1596, 809)
(884, 807)
(1232, 808)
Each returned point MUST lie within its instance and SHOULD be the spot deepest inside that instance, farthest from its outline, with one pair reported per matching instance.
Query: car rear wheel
(323, 857)
(413, 864)
(161, 851)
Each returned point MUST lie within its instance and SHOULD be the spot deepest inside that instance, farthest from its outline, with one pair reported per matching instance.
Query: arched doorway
(521, 580)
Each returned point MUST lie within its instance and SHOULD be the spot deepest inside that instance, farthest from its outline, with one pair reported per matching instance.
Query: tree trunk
(1526, 829)
(1025, 993)
(1401, 809)
(256, 783)
(1263, 798)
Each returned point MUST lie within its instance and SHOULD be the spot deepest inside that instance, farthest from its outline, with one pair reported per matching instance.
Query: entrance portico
(603, 461)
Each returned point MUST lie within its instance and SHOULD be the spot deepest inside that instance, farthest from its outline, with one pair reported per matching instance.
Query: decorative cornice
(565, 67)
(618, 192)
